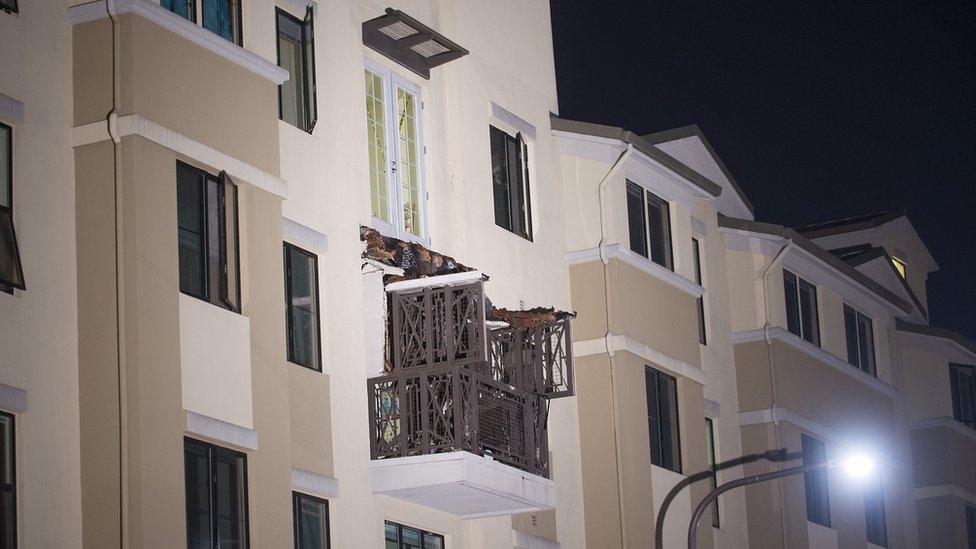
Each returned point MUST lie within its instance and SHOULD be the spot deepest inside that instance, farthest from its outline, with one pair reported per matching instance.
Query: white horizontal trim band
(432, 281)
(133, 124)
(944, 421)
(778, 413)
(779, 334)
(93, 11)
(13, 399)
(216, 429)
(619, 251)
(592, 347)
(314, 483)
(943, 490)
(305, 235)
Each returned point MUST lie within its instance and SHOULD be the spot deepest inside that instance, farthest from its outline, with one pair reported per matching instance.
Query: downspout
(773, 402)
(608, 335)
(111, 120)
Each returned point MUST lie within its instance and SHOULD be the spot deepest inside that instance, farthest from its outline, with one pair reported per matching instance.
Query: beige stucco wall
(38, 326)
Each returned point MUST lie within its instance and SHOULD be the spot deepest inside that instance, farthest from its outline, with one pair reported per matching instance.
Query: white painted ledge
(308, 237)
(228, 433)
(780, 334)
(621, 252)
(948, 422)
(778, 413)
(454, 279)
(522, 540)
(134, 124)
(463, 484)
(13, 399)
(598, 346)
(152, 11)
(944, 490)
(314, 483)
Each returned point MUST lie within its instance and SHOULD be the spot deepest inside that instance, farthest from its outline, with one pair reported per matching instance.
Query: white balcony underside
(463, 484)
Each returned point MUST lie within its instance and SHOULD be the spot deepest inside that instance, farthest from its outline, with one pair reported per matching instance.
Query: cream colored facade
(107, 367)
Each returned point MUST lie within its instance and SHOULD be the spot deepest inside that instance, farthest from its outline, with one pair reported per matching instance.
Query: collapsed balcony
(458, 421)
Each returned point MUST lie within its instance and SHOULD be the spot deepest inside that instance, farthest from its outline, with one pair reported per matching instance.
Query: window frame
(7, 212)
(520, 203)
(874, 508)
(971, 526)
(423, 534)
(13, 7)
(396, 227)
(197, 17)
(288, 247)
(193, 10)
(956, 393)
(211, 451)
(12, 486)
(697, 264)
(712, 457)
(811, 480)
(647, 241)
(853, 322)
(800, 331)
(674, 455)
(296, 500)
(216, 293)
(308, 93)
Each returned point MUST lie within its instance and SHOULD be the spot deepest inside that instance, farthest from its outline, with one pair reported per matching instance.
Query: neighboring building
(310, 274)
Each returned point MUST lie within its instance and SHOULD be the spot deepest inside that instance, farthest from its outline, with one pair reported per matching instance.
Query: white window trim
(392, 80)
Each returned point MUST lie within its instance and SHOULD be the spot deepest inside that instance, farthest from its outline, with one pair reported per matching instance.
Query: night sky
(819, 111)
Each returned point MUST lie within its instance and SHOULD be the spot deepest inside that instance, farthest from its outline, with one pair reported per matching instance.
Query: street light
(857, 466)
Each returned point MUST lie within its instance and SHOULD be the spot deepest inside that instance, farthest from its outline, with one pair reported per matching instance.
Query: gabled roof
(856, 256)
(693, 130)
(812, 248)
(849, 224)
(643, 145)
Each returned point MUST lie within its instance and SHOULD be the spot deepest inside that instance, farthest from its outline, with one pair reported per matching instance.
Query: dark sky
(819, 109)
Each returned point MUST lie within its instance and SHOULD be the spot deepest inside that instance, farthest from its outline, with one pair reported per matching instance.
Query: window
(962, 382)
(899, 266)
(207, 218)
(510, 182)
(302, 307)
(874, 513)
(296, 54)
(9, 6)
(696, 248)
(216, 496)
(397, 196)
(713, 481)
(649, 225)
(662, 419)
(802, 316)
(8, 483)
(311, 517)
(815, 482)
(971, 527)
(221, 17)
(399, 536)
(11, 270)
(860, 340)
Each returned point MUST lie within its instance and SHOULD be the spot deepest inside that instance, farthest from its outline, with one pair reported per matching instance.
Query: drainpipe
(607, 337)
(773, 402)
(111, 120)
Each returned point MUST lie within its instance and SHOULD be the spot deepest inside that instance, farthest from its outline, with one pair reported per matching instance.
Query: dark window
(302, 307)
(802, 316)
(696, 248)
(510, 182)
(399, 536)
(296, 54)
(11, 270)
(9, 6)
(713, 480)
(635, 219)
(659, 230)
(8, 483)
(971, 527)
(874, 513)
(223, 18)
(207, 219)
(860, 340)
(962, 381)
(311, 517)
(216, 496)
(662, 419)
(815, 482)
(187, 9)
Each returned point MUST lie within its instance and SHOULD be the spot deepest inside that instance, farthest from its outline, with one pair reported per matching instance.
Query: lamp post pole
(745, 481)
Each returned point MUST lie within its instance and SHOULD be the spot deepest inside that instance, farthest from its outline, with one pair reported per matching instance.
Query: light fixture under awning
(409, 42)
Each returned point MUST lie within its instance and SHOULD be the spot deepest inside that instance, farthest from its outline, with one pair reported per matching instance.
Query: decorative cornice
(592, 347)
(93, 11)
(779, 334)
(133, 124)
(619, 251)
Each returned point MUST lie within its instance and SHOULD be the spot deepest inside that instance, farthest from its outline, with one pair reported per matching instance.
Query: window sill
(388, 230)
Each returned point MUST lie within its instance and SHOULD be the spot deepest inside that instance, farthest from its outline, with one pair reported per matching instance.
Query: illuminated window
(899, 266)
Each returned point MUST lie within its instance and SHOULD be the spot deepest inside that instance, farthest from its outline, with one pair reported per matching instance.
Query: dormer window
(899, 266)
